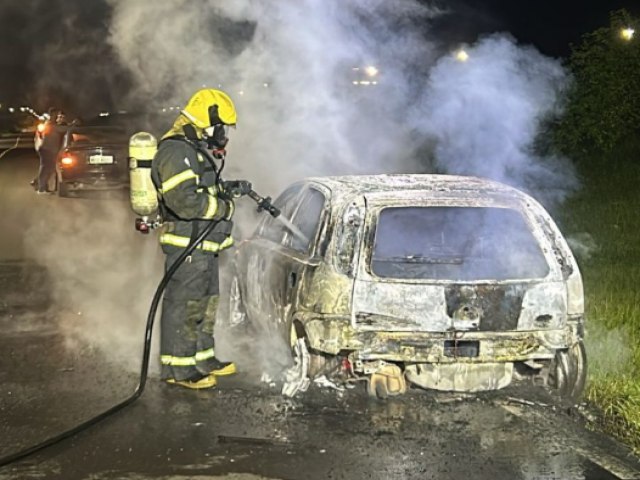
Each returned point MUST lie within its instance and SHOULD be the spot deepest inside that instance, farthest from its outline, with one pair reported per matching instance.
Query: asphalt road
(75, 283)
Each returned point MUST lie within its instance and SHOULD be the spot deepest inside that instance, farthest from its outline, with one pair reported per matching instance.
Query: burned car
(93, 158)
(441, 282)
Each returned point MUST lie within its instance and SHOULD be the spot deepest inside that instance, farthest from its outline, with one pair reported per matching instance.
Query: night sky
(75, 29)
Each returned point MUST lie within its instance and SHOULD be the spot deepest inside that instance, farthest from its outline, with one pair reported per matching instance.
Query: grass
(602, 221)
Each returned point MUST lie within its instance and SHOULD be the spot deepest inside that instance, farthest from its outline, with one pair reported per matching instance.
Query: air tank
(142, 193)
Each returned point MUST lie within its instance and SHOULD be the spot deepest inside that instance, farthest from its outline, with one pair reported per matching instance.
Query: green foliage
(618, 399)
(603, 104)
(607, 211)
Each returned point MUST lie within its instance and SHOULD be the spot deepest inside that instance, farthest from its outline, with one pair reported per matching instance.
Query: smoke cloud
(290, 69)
(307, 106)
(103, 275)
(485, 113)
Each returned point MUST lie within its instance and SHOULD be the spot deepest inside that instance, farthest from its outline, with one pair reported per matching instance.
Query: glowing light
(266, 85)
(627, 33)
(104, 114)
(66, 160)
(40, 127)
(11, 109)
(241, 92)
(355, 82)
(462, 56)
(371, 71)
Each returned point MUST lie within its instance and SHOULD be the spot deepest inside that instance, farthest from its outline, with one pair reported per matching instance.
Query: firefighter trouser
(47, 168)
(188, 316)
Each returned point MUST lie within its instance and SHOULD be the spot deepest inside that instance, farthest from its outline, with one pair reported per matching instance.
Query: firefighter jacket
(189, 197)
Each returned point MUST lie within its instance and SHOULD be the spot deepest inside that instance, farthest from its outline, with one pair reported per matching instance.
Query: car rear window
(456, 243)
(93, 135)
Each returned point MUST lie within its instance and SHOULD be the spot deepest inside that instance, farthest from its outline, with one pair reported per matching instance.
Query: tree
(603, 103)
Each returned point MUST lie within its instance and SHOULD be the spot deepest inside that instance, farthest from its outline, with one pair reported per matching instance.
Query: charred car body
(93, 158)
(443, 282)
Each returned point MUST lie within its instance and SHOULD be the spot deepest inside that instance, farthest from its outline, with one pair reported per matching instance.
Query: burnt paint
(499, 305)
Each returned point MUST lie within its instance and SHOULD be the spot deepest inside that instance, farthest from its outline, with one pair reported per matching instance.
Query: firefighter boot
(220, 368)
(207, 381)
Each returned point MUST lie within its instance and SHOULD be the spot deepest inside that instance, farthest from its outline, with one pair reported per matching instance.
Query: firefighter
(190, 194)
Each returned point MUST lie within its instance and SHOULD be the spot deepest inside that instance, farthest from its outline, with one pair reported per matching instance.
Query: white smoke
(583, 245)
(102, 272)
(303, 111)
(485, 113)
(290, 72)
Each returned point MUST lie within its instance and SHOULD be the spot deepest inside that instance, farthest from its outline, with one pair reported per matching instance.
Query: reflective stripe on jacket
(188, 193)
(183, 192)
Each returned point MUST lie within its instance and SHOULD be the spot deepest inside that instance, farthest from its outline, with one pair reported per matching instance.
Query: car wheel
(318, 363)
(568, 372)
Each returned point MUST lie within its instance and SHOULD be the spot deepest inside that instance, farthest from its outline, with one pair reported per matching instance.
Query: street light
(462, 56)
(627, 33)
(371, 71)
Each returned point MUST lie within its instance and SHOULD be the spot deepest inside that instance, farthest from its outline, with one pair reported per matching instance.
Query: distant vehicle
(93, 158)
(441, 282)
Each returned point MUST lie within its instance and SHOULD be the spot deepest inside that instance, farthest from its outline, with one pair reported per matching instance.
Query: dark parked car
(93, 158)
(442, 282)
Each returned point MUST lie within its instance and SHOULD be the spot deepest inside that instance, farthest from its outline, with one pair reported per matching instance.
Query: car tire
(319, 363)
(568, 372)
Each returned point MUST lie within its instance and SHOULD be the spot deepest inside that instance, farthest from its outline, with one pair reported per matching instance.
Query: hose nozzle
(264, 203)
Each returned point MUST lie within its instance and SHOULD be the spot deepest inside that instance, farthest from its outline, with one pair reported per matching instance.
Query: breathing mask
(216, 135)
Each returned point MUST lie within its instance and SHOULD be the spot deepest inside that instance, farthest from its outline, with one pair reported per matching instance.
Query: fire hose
(243, 188)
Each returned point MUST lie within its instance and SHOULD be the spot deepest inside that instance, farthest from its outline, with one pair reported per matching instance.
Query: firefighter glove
(237, 188)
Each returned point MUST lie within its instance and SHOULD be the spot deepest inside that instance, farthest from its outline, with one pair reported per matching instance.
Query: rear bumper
(92, 179)
(333, 334)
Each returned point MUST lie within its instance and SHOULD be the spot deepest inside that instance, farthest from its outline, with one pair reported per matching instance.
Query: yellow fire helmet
(209, 107)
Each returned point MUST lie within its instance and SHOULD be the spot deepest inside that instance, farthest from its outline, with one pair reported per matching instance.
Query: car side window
(273, 228)
(306, 221)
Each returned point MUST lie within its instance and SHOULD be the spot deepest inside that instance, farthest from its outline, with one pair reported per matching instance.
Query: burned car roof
(384, 187)
(361, 184)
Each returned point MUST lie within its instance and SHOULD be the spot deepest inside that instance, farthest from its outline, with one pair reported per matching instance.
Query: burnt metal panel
(499, 305)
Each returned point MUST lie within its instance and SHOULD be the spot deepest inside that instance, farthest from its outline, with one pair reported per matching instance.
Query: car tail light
(67, 161)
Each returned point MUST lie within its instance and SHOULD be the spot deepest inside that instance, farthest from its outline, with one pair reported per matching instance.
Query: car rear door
(392, 304)
(454, 264)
